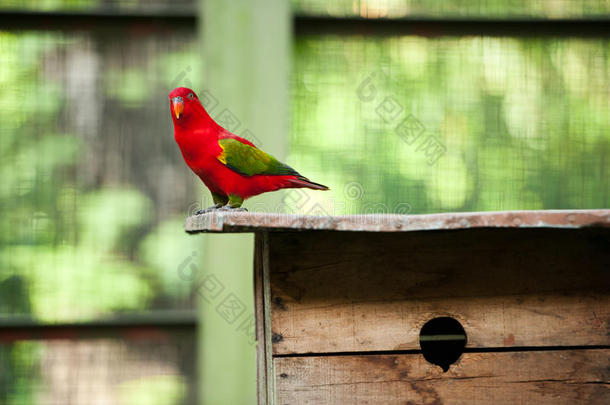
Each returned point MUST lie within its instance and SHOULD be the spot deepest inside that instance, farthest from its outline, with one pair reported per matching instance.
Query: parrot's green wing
(249, 160)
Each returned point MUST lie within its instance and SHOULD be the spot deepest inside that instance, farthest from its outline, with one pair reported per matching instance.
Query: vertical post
(262, 309)
(246, 55)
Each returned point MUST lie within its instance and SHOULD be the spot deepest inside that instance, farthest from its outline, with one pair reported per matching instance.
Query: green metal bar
(132, 327)
(157, 318)
(246, 54)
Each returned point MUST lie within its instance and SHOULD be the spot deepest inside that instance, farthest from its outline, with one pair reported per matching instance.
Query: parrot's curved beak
(178, 105)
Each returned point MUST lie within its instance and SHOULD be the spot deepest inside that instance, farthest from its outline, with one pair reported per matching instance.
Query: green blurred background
(93, 190)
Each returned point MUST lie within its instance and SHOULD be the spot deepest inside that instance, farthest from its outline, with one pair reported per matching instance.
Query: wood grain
(219, 221)
(349, 292)
(264, 363)
(535, 377)
(259, 316)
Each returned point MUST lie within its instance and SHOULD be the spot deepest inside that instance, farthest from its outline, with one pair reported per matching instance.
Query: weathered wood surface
(349, 292)
(262, 306)
(536, 377)
(257, 221)
(263, 346)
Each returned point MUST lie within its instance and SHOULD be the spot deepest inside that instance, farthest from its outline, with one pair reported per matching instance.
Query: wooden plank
(255, 221)
(540, 377)
(271, 393)
(259, 314)
(488, 322)
(352, 292)
(264, 368)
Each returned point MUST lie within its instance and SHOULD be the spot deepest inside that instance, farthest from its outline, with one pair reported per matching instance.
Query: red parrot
(230, 166)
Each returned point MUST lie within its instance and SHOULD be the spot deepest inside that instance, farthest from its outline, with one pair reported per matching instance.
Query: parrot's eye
(190, 96)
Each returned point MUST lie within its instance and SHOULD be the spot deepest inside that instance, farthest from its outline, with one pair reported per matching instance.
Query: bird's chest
(199, 153)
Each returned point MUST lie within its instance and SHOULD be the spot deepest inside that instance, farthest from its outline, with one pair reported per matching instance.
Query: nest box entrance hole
(442, 341)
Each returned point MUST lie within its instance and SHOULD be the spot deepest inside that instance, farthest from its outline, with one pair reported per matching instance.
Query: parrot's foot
(209, 209)
(232, 209)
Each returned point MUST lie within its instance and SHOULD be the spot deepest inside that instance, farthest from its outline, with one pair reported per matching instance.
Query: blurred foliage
(521, 123)
(453, 8)
(164, 6)
(159, 390)
(75, 242)
(93, 209)
(99, 371)
(20, 366)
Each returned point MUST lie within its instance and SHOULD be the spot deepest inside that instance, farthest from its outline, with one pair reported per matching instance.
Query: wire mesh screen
(364, 8)
(94, 191)
(419, 125)
(453, 8)
(98, 372)
(93, 194)
(169, 7)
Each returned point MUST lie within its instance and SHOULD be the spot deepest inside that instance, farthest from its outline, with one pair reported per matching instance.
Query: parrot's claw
(209, 209)
(232, 209)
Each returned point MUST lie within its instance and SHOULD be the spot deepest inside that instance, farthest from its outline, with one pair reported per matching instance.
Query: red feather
(197, 135)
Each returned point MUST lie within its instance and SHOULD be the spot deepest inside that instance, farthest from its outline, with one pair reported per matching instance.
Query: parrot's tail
(305, 182)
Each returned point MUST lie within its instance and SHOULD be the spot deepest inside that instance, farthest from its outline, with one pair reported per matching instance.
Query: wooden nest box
(470, 308)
